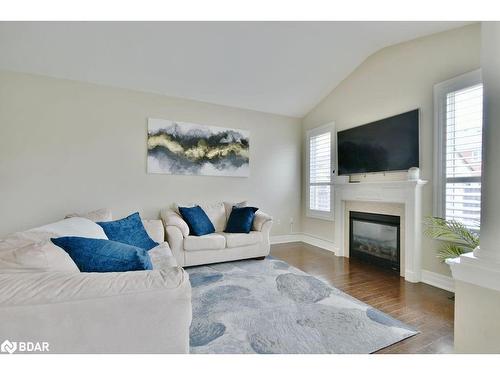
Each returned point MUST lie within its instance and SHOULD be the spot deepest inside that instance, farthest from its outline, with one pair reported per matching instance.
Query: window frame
(316, 214)
(440, 92)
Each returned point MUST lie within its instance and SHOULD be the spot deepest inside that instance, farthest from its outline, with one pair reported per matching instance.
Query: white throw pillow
(33, 252)
(74, 226)
(102, 214)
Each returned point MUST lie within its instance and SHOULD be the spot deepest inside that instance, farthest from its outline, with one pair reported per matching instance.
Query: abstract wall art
(185, 148)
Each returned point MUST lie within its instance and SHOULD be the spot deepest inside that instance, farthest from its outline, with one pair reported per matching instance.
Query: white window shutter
(462, 155)
(319, 143)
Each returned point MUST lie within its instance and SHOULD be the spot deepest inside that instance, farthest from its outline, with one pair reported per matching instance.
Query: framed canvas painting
(185, 148)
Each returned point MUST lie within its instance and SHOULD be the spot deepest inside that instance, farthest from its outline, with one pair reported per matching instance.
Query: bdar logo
(8, 347)
(24, 346)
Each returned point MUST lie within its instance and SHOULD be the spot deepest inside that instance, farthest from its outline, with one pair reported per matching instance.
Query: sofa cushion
(197, 220)
(129, 230)
(216, 212)
(102, 214)
(217, 215)
(94, 255)
(240, 220)
(155, 230)
(242, 239)
(213, 241)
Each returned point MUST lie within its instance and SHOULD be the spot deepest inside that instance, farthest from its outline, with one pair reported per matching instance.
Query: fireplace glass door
(375, 238)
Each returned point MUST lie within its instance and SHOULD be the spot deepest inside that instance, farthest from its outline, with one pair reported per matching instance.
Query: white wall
(477, 309)
(67, 146)
(394, 80)
(490, 199)
(477, 326)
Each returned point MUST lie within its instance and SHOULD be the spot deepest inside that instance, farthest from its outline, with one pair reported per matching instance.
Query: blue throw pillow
(240, 220)
(197, 220)
(129, 230)
(96, 255)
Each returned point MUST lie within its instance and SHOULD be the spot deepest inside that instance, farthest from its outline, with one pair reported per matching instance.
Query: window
(319, 172)
(459, 120)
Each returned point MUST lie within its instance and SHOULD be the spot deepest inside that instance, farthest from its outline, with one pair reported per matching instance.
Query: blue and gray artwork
(185, 148)
(268, 306)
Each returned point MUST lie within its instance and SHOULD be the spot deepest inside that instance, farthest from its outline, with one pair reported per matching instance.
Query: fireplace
(375, 238)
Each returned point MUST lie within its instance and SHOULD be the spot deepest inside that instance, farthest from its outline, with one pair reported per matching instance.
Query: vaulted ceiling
(278, 67)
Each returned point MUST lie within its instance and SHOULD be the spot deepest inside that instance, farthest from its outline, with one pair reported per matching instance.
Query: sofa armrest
(175, 240)
(60, 287)
(162, 257)
(260, 219)
(128, 312)
(155, 230)
(172, 218)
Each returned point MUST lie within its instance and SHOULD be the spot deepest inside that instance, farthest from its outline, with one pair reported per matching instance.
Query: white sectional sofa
(44, 297)
(216, 247)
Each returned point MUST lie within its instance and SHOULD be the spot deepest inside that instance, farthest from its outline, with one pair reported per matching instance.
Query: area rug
(268, 306)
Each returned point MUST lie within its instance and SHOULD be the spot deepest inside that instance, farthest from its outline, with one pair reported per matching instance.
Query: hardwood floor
(425, 307)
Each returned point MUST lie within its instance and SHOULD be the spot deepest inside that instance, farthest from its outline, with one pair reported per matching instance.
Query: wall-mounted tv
(391, 144)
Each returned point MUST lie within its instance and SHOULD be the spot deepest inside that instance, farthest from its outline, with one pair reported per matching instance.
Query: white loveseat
(44, 297)
(216, 247)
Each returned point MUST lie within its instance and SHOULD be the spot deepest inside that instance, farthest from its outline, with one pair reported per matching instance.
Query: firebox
(375, 238)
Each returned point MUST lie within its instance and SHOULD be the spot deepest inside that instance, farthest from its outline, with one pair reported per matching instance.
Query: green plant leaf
(451, 250)
(459, 239)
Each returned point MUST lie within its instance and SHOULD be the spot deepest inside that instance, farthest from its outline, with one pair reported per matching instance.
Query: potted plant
(458, 239)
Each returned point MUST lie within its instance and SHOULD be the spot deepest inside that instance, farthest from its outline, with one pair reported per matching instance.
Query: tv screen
(390, 144)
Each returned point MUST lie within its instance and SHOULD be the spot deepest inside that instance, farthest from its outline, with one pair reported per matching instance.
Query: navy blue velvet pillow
(240, 220)
(96, 255)
(197, 220)
(129, 230)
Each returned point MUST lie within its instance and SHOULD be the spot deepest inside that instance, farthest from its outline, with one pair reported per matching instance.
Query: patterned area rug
(268, 306)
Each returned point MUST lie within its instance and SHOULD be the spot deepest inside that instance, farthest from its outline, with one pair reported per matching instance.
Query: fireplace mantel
(408, 193)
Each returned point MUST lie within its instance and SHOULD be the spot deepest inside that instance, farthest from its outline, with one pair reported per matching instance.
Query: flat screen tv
(391, 144)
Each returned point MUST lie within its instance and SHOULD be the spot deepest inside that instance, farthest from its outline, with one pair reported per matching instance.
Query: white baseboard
(286, 238)
(306, 238)
(438, 280)
(319, 242)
